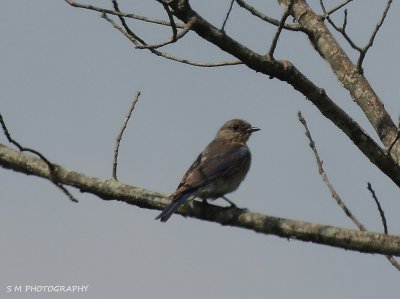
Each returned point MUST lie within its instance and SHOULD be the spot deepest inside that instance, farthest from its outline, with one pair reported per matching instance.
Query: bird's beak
(253, 129)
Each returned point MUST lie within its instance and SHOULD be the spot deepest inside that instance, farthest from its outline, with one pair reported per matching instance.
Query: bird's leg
(231, 203)
(205, 202)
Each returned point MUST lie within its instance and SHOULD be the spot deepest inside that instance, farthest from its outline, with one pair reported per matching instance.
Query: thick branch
(287, 72)
(346, 72)
(367, 242)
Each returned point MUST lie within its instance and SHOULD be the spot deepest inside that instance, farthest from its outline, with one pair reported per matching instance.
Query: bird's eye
(235, 127)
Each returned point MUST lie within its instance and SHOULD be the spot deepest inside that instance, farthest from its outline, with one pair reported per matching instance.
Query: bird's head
(237, 130)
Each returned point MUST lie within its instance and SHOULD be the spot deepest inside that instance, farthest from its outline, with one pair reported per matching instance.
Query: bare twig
(122, 14)
(391, 259)
(325, 178)
(336, 196)
(65, 191)
(227, 15)
(171, 20)
(363, 51)
(278, 31)
(372, 38)
(136, 39)
(139, 42)
(173, 39)
(336, 8)
(22, 148)
(52, 168)
(175, 35)
(378, 204)
(257, 13)
(119, 137)
(342, 29)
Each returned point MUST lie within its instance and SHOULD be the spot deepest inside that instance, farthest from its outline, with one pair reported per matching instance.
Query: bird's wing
(219, 159)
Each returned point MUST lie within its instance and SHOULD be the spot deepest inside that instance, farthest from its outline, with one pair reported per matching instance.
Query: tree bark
(109, 189)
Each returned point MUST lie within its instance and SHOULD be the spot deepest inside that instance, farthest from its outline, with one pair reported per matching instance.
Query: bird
(218, 170)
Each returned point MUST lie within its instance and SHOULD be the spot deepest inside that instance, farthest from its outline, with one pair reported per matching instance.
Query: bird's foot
(232, 205)
(205, 202)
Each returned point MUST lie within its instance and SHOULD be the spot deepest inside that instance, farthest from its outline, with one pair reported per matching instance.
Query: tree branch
(52, 168)
(336, 8)
(338, 198)
(285, 15)
(391, 259)
(121, 14)
(173, 39)
(227, 15)
(325, 178)
(366, 242)
(347, 74)
(372, 38)
(358, 86)
(119, 137)
(286, 71)
(342, 30)
(257, 13)
(378, 204)
(139, 43)
(397, 137)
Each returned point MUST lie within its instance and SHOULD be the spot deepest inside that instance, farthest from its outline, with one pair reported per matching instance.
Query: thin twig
(65, 191)
(335, 195)
(119, 137)
(372, 38)
(362, 51)
(173, 39)
(328, 13)
(378, 204)
(22, 148)
(135, 40)
(227, 15)
(174, 30)
(325, 178)
(278, 31)
(171, 20)
(140, 43)
(51, 166)
(391, 259)
(122, 14)
(257, 13)
(342, 29)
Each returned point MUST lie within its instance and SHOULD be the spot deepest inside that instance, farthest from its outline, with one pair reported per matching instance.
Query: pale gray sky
(67, 80)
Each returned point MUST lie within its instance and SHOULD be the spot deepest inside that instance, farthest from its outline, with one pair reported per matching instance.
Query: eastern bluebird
(218, 170)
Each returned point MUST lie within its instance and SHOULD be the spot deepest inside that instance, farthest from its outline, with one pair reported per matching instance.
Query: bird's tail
(174, 205)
